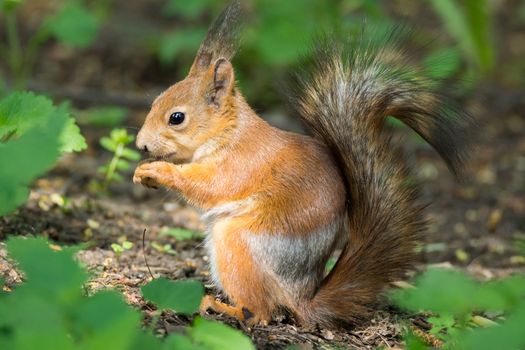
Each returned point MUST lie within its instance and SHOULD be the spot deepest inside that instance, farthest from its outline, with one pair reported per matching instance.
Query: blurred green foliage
(279, 34)
(33, 134)
(183, 297)
(181, 234)
(457, 300)
(106, 116)
(74, 25)
(469, 22)
(51, 311)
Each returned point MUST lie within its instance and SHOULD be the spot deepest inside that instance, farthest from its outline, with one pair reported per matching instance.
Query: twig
(144, 253)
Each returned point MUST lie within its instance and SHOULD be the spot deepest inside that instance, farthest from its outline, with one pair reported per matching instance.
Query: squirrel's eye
(176, 118)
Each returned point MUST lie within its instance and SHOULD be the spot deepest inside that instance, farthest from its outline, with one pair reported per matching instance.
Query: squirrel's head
(188, 119)
(194, 116)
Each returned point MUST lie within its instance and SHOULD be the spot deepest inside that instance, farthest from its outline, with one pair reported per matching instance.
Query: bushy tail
(345, 100)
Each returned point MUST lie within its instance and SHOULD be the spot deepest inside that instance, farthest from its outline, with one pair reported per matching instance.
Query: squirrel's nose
(142, 146)
(141, 143)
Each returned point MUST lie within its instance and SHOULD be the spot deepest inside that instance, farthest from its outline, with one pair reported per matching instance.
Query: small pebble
(494, 219)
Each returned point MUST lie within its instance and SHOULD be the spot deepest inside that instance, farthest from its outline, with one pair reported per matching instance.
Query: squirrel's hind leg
(239, 276)
(240, 313)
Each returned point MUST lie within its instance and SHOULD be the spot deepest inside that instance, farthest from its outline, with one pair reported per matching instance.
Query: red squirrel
(277, 204)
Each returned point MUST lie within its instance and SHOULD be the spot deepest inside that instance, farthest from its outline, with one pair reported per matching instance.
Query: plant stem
(14, 46)
(113, 165)
(31, 53)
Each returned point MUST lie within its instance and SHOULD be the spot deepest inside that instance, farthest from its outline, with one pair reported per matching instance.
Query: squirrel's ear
(223, 81)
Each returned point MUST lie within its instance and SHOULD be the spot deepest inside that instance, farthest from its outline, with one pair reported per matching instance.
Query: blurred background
(106, 60)
(120, 53)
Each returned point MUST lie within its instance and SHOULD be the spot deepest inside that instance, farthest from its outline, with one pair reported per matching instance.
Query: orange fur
(277, 204)
(241, 166)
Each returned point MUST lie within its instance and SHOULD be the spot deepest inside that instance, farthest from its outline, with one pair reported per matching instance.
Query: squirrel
(278, 204)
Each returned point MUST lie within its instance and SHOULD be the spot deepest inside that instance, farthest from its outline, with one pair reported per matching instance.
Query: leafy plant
(180, 234)
(51, 295)
(119, 248)
(116, 142)
(33, 134)
(165, 248)
(470, 24)
(73, 25)
(457, 302)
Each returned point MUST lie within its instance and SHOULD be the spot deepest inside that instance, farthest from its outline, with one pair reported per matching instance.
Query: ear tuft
(222, 38)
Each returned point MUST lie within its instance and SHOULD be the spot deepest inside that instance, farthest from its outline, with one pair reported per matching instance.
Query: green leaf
(429, 293)
(478, 13)
(441, 322)
(22, 111)
(28, 156)
(130, 154)
(180, 234)
(121, 136)
(181, 296)
(71, 138)
(74, 25)
(50, 274)
(117, 248)
(23, 315)
(127, 245)
(142, 340)
(105, 321)
(177, 341)
(117, 177)
(108, 144)
(217, 336)
(122, 165)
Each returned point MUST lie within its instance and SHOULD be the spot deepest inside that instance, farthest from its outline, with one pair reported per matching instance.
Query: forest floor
(473, 225)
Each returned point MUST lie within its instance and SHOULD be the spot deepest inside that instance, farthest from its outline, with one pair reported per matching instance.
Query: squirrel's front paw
(155, 174)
